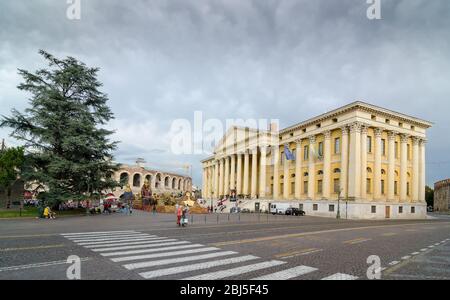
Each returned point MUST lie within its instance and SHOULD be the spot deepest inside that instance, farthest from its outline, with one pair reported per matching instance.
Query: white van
(279, 208)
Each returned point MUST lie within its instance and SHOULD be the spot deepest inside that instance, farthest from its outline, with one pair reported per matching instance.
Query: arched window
(369, 170)
(337, 170)
(166, 181)
(149, 179)
(306, 174)
(383, 171)
(123, 178)
(173, 183)
(320, 172)
(137, 180)
(158, 181)
(179, 184)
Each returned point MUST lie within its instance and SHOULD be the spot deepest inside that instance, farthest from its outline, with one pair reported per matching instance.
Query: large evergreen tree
(68, 148)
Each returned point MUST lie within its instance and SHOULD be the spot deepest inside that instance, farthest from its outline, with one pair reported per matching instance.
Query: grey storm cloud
(286, 59)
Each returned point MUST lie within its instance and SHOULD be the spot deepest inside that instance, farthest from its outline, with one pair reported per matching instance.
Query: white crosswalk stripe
(236, 271)
(151, 250)
(196, 267)
(115, 247)
(177, 260)
(159, 253)
(340, 276)
(287, 274)
(165, 254)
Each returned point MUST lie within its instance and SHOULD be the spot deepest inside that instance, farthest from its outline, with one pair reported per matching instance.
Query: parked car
(293, 211)
(279, 208)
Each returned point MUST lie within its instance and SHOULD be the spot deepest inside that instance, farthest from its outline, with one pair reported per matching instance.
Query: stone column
(233, 172)
(262, 172)
(239, 174)
(204, 182)
(403, 167)
(377, 165)
(422, 170)
(364, 162)
(276, 175)
(415, 170)
(285, 178)
(226, 189)
(391, 167)
(254, 181)
(298, 170)
(344, 163)
(354, 164)
(216, 179)
(221, 177)
(326, 165)
(312, 168)
(246, 172)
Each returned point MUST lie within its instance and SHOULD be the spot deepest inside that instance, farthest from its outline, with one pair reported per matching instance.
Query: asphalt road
(224, 247)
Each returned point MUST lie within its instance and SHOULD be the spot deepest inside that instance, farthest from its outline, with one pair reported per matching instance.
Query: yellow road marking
(298, 253)
(32, 248)
(357, 241)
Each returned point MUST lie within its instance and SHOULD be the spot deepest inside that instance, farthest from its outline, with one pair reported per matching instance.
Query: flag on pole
(288, 153)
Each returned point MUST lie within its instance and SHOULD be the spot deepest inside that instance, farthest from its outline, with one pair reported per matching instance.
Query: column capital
(344, 130)
(355, 127)
(378, 131)
(254, 150)
(415, 140)
(298, 141)
(423, 141)
(312, 139)
(392, 135)
(404, 138)
(327, 134)
(364, 128)
(263, 148)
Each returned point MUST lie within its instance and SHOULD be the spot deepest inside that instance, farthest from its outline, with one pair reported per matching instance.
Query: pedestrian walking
(179, 215)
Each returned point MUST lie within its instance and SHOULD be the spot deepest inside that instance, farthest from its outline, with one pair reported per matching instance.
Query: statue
(128, 198)
(188, 200)
(146, 193)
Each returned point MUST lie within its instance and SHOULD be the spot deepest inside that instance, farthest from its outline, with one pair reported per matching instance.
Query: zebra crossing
(157, 257)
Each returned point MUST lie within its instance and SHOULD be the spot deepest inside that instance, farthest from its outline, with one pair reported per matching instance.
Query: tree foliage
(63, 130)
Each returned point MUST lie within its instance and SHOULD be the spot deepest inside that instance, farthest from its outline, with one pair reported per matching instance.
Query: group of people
(182, 214)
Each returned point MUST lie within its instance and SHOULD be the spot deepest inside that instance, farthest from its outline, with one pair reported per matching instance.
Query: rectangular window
(395, 187)
(369, 144)
(319, 186)
(337, 145)
(331, 208)
(382, 187)
(315, 207)
(336, 185)
(413, 210)
(383, 147)
(292, 187)
(407, 188)
(305, 187)
(321, 149)
(396, 149)
(400, 209)
(368, 183)
(305, 152)
(374, 209)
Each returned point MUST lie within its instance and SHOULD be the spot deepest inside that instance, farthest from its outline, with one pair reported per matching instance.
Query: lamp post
(338, 214)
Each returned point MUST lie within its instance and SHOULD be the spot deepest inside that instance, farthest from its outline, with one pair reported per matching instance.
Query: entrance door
(388, 212)
(257, 207)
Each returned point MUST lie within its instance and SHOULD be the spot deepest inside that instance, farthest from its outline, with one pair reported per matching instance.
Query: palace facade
(370, 158)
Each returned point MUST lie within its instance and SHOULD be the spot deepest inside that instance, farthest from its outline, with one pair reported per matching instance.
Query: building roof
(359, 105)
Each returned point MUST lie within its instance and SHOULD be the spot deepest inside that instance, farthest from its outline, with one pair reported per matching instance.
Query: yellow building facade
(370, 158)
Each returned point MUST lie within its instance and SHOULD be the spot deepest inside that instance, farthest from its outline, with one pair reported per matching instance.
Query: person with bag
(179, 215)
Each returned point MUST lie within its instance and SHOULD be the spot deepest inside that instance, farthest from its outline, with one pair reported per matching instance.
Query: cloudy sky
(287, 60)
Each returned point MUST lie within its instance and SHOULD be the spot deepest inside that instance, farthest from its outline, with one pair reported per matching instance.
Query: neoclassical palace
(160, 182)
(370, 158)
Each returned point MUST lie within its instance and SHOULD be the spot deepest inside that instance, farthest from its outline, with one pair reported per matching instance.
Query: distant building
(160, 181)
(442, 195)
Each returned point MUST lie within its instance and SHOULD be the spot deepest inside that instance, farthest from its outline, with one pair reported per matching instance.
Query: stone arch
(166, 181)
(137, 180)
(124, 178)
(149, 178)
(179, 184)
(173, 185)
(158, 180)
